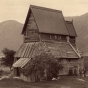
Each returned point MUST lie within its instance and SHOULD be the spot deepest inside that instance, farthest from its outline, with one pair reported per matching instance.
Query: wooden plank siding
(31, 38)
(31, 30)
(52, 37)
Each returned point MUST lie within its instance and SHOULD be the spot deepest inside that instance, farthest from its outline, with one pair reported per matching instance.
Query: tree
(9, 57)
(43, 62)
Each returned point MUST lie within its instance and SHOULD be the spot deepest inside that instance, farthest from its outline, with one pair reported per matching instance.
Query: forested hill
(10, 35)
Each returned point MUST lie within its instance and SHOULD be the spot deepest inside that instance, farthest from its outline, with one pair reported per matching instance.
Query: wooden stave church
(45, 30)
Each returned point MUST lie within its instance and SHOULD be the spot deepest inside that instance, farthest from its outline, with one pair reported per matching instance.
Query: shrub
(42, 62)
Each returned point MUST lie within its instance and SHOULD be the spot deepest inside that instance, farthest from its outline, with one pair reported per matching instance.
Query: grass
(5, 71)
(63, 82)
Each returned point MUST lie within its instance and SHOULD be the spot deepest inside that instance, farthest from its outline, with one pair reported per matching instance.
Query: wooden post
(78, 69)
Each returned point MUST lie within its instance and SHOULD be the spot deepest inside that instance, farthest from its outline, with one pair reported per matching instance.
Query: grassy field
(63, 82)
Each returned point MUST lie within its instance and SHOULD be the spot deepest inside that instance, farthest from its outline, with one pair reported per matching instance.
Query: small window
(59, 37)
(55, 36)
(52, 37)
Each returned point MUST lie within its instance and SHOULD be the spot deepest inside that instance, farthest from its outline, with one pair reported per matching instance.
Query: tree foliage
(43, 62)
(9, 57)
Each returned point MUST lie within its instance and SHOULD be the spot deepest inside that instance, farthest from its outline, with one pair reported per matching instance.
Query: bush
(1, 71)
(42, 62)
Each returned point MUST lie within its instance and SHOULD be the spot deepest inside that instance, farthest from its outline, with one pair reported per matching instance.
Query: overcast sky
(17, 9)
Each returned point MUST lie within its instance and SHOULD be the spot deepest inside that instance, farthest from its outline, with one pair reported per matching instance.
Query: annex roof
(21, 62)
(71, 29)
(48, 20)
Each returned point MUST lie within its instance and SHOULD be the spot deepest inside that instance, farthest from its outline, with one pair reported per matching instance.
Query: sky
(17, 9)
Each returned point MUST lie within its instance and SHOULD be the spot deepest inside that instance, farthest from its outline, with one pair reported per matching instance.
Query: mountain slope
(10, 35)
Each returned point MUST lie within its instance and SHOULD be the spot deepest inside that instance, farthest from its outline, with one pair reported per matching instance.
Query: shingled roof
(48, 20)
(71, 28)
(59, 50)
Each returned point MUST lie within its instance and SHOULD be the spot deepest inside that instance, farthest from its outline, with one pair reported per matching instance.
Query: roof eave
(53, 33)
(26, 20)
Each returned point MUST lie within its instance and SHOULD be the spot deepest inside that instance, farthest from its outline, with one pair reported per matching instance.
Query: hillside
(10, 35)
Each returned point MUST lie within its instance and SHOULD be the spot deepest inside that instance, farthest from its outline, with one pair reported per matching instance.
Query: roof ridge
(43, 8)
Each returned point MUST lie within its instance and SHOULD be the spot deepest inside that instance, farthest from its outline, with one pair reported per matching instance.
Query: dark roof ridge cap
(69, 22)
(43, 8)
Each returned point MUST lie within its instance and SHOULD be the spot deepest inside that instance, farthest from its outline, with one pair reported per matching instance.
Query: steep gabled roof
(71, 29)
(48, 20)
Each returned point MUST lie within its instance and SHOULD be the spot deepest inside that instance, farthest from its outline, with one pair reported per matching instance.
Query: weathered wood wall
(71, 64)
(52, 37)
(31, 33)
